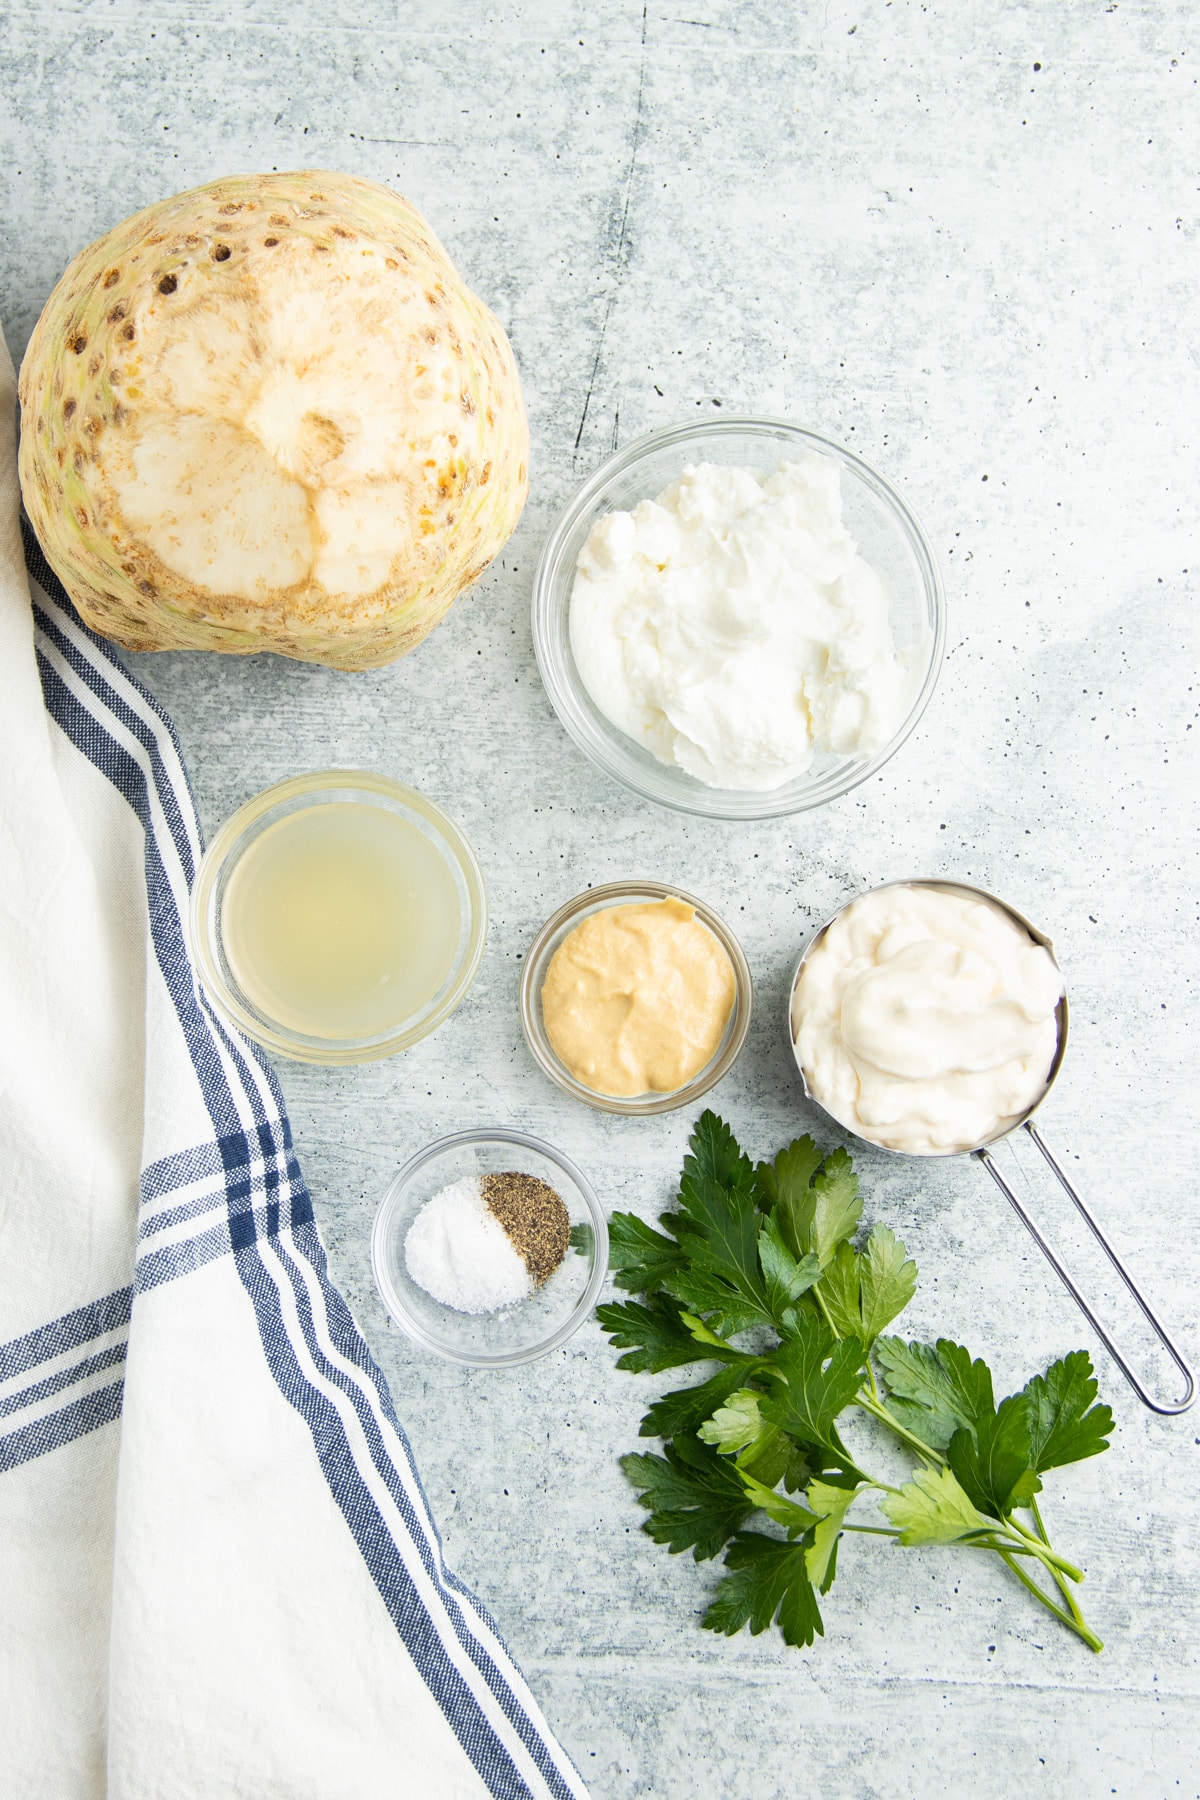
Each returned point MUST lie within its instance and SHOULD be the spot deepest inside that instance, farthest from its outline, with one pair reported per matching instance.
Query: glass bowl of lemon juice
(338, 917)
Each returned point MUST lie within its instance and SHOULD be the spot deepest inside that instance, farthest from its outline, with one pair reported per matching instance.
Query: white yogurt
(925, 1019)
(731, 627)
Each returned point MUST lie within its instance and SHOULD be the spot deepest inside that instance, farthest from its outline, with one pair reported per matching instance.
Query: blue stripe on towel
(54, 1384)
(345, 1338)
(170, 1173)
(68, 1333)
(91, 1410)
(148, 731)
(170, 1261)
(254, 1144)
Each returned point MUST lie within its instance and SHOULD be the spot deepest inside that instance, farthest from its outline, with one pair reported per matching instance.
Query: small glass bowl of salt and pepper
(517, 1178)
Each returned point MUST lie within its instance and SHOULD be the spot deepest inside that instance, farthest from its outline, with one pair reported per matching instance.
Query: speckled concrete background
(963, 239)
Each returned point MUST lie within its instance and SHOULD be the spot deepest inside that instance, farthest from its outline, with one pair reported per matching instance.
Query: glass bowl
(533, 976)
(883, 528)
(244, 827)
(515, 1334)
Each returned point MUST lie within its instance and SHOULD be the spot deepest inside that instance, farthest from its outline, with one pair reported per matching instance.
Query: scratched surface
(962, 239)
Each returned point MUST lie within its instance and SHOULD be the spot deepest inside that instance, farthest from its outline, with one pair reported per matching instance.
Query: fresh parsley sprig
(774, 1250)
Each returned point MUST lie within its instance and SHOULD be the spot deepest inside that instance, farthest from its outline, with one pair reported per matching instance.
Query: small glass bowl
(533, 975)
(883, 528)
(515, 1334)
(234, 839)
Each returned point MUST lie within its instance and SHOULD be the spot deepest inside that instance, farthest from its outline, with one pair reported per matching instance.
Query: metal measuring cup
(1025, 1123)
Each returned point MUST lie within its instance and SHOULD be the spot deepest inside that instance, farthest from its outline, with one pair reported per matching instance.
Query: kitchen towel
(218, 1572)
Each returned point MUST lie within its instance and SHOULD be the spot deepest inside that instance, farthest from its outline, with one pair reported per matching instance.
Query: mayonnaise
(925, 1019)
(731, 627)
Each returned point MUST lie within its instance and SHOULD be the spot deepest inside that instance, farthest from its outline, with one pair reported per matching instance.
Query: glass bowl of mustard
(551, 1047)
(513, 1333)
(337, 917)
(885, 532)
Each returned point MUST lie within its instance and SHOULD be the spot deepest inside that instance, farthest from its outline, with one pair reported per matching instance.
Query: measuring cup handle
(1053, 1259)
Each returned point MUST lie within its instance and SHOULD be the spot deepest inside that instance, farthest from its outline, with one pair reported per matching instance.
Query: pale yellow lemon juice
(340, 921)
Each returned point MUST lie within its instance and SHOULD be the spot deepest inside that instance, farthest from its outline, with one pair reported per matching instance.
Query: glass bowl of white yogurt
(740, 620)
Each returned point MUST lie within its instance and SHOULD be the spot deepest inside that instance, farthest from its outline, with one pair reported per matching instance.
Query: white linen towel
(218, 1571)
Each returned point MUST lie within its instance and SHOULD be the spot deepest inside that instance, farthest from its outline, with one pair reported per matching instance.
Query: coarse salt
(458, 1251)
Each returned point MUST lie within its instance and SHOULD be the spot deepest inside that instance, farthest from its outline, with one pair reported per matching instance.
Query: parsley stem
(879, 1411)
(1042, 1549)
(1074, 1623)
(1067, 1595)
(815, 1291)
(1004, 1544)
(1065, 1591)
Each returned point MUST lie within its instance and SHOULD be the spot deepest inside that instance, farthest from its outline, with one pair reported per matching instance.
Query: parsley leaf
(840, 1290)
(736, 1425)
(832, 1504)
(819, 1208)
(1064, 1426)
(721, 1347)
(732, 1306)
(789, 1175)
(785, 1277)
(695, 1498)
(640, 1257)
(794, 1518)
(818, 1376)
(865, 1290)
(993, 1459)
(778, 1457)
(717, 1228)
(768, 1580)
(716, 1160)
(888, 1280)
(944, 1387)
(738, 1429)
(653, 1336)
(687, 1408)
(933, 1509)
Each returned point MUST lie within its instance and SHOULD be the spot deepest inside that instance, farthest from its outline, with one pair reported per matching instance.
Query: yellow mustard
(637, 998)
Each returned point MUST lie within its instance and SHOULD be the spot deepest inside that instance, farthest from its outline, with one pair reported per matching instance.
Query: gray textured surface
(887, 222)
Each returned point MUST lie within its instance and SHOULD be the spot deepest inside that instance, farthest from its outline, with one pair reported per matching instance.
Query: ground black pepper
(534, 1217)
